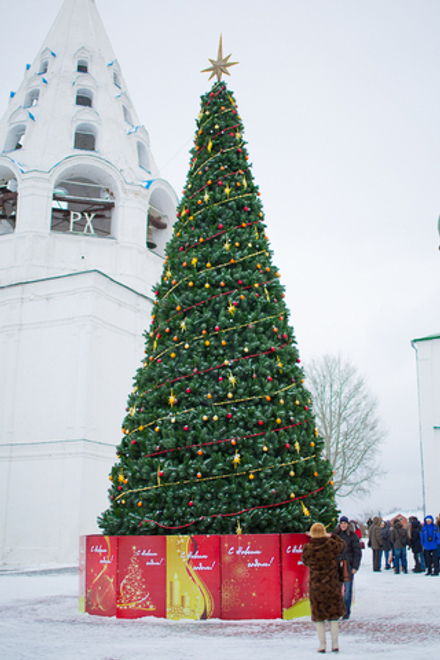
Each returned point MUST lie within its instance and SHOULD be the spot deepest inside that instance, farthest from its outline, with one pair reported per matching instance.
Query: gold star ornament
(220, 65)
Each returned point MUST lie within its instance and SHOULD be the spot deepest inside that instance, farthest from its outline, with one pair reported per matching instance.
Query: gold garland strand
(212, 268)
(223, 476)
(230, 402)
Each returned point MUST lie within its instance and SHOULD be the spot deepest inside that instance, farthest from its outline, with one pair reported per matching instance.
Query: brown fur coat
(320, 555)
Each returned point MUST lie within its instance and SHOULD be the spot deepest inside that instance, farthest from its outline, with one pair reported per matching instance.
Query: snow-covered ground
(395, 617)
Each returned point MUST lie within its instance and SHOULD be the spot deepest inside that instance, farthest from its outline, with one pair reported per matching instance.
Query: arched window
(127, 115)
(15, 138)
(84, 97)
(116, 80)
(32, 98)
(44, 65)
(82, 66)
(85, 137)
(159, 220)
(8, 201)
(82, 205)
(143, 159)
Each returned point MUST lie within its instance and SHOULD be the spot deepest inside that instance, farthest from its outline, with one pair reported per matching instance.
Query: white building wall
(70, 347)
(428, 374)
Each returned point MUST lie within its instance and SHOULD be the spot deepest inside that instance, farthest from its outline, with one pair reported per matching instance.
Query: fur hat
(343, 519)
(317, 531)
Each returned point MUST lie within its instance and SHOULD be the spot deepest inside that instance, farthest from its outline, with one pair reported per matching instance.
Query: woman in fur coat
(326, 601)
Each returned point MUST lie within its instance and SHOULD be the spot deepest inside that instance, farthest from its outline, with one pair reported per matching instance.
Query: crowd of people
(390, 540)
(334, 558)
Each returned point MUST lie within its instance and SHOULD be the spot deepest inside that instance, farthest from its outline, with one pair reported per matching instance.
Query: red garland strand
(205, 371)
(228, 128)
(217, 442)
(223, 177)
(205, 240)
(229, 515)
(218, 295)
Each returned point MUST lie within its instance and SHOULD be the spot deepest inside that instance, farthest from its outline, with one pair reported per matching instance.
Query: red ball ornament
(181, 248)
(160, 473)
(306, 407)
(240, 281)
(246, 208)
(217, 328)
(159, 360)
(133, 442)
(186, 428)
(298, 360)
(273, 348)
(269, 378)
(119, 487)
(287, 446)
(235, 303)
(158, 335)
(284, 336)
(229, 415)
(220, 183)
(261, 422)
(220, 226)
(188, 390)
(220, 379)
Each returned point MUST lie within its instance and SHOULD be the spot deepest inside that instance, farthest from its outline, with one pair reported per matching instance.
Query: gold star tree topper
(220, 65)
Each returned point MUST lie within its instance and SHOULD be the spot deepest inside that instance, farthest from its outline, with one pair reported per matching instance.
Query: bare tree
(346, 415)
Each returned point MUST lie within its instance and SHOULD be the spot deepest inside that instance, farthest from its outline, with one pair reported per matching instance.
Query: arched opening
(159, 220)
(44, 65)
(32, 98)
(116, 79)
(127, 115)
(8, 201)
(84, 97)
(85, 137)
(143, 158)
(15, 138)
(82, 204)
(82, 66)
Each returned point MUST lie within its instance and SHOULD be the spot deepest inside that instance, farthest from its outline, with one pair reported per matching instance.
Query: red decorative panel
(100, 575)
(295, 576)
(141, 577)
(251, 587)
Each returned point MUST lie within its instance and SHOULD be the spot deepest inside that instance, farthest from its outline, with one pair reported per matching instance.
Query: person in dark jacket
(415, 543)
(326, 600)
(352, 555)
(430, 538)
(386, 544)
(399, 540)
(375, 541)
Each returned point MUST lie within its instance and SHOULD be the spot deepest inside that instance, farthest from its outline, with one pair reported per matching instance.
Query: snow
(395, 617)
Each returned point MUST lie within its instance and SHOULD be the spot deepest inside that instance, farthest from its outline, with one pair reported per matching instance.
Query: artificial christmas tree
(220, 436)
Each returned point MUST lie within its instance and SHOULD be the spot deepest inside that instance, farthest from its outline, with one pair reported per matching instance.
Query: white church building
(84, 219)
(428, 382)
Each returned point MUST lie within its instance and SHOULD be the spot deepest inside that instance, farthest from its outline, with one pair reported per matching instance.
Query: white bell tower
(84, 219)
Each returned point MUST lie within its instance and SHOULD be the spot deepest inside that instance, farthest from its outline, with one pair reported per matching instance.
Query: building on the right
(428, 385)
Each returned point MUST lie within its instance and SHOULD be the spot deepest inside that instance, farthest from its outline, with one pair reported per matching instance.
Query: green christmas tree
(220, 434)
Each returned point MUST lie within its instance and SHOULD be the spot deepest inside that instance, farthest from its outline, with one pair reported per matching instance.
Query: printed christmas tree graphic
(133, 590)
(219, 431)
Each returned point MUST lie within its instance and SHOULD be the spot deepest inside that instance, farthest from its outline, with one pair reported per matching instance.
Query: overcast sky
(340, 101)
